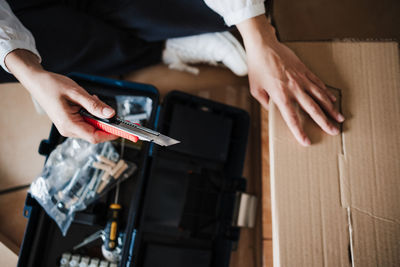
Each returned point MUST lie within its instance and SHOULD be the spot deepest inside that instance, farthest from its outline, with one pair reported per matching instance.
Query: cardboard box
(336, 203)
(309, 20)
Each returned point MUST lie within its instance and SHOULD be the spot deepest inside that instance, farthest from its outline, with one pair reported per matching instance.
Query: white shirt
(13, 35)
(236, 11)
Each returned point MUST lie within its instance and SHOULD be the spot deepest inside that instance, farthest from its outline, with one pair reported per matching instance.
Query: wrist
(257, 31)
(23, 64)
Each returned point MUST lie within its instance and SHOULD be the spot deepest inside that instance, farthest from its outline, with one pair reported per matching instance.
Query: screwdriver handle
(111, 230)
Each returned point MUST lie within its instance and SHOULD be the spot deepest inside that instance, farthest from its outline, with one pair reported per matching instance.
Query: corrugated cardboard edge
(350, 225)
(344, 185)
(275, 224)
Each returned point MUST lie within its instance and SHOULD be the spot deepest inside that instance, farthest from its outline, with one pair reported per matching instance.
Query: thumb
(93, 104)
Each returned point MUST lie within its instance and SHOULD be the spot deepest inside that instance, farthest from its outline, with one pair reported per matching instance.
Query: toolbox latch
(27, 211)
(245, 210)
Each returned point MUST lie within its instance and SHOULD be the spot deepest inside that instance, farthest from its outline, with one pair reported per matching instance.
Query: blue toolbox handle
(113, 82)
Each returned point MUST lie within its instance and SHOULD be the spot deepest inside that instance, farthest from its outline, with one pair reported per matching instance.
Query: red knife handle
(109, 129)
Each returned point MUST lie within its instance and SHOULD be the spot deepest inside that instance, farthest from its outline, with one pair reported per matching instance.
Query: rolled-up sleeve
(236, 11)
(13, 35)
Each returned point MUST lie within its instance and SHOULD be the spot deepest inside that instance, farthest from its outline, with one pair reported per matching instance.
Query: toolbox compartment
(178, 209)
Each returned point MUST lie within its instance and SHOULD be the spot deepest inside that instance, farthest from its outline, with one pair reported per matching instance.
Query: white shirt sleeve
(236, 11)
(13, 35)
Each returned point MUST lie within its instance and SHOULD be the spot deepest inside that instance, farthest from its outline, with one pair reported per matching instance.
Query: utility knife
(127, 129)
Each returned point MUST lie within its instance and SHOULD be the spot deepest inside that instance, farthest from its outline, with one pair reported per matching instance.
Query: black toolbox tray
(178, 209)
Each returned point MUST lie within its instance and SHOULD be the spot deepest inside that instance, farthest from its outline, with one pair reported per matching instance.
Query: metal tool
(90, 239)
(112, 239)
(112, 226)
(113, 255)
(110, 234)
(128, 130)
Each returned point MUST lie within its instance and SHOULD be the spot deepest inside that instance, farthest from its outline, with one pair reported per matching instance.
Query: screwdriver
(111, 230)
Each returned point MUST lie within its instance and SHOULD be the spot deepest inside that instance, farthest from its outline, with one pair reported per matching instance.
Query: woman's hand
(276, 72)
(60, 97)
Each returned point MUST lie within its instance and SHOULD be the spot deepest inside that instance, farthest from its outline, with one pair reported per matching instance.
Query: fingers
(315, 112)
(91, 103)
(71, 124)
(292, 120)
(91, 134)
(262, 97)
(325, 101)
(288, 113)
(87, 132)
(314, 79)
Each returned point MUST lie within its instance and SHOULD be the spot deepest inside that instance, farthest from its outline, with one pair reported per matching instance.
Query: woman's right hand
(60, 97)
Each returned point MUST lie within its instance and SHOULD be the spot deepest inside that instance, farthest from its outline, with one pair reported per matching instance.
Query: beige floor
(21, 131)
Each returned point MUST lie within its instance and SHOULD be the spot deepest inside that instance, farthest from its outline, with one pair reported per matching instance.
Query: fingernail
(307, 142)
(108, 111)
(335, 131)
(340, 117)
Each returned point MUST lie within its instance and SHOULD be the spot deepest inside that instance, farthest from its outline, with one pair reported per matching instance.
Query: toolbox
(185, 204)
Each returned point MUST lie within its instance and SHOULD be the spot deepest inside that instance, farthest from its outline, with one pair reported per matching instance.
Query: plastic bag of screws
(136, 109)
(76, 173)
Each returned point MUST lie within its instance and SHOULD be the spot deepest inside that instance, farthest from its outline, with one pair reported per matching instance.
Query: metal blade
(164, 140)
(89, 239)
(146, 134)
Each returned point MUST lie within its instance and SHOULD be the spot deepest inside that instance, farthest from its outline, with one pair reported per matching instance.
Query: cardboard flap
(371, 141)
(335, 203)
